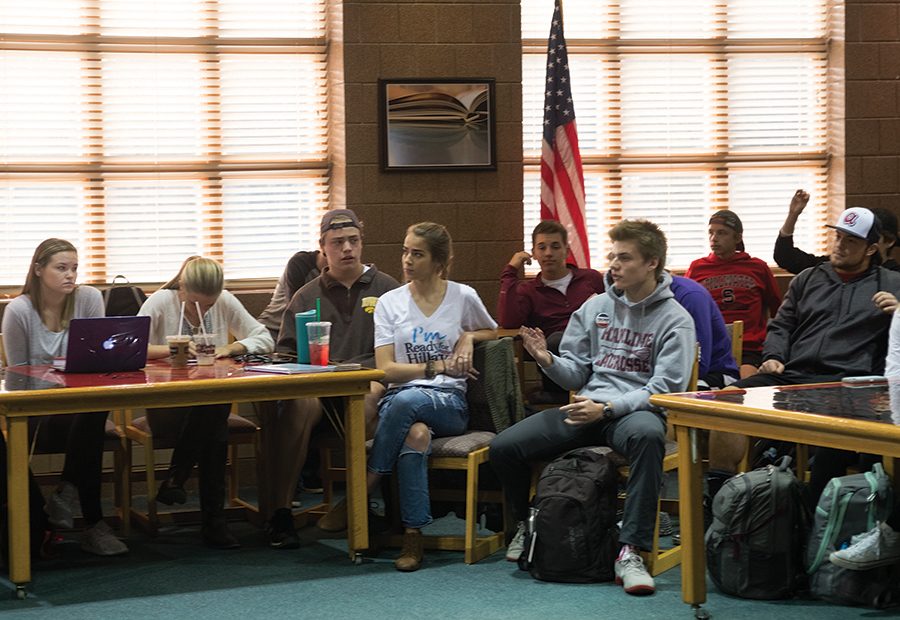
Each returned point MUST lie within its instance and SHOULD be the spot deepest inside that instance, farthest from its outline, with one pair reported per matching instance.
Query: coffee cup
(206, 349)
(179, 350)
(319, 335)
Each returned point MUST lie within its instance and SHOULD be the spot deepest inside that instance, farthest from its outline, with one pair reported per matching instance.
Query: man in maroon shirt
(548, 300)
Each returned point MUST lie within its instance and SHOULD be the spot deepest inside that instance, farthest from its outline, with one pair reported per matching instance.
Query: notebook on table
(106, 344)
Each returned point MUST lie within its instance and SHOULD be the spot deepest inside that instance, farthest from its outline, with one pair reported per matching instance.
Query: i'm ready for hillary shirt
(418, 338)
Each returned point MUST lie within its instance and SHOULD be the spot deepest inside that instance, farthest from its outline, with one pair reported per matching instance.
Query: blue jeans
(444, 411)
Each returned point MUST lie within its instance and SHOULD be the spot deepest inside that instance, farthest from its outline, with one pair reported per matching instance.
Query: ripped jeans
(444, 411)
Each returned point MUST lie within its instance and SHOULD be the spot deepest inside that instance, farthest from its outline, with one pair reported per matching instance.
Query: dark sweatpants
(640, 436)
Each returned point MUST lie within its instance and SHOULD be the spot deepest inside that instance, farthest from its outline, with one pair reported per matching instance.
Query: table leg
(357, 495)
(891, 469)
(690, 492)
(17, 479)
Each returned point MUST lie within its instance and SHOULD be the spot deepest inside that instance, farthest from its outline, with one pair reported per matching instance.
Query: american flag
(562, 179)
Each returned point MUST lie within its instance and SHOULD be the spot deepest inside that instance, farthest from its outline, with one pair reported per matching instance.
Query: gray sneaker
(100, 540)
(517, 545)
(879, 546)
(633, 576)
(665, 524)
(62, 505)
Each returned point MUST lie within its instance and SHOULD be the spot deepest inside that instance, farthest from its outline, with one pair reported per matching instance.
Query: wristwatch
(429, 369)
(607, 411)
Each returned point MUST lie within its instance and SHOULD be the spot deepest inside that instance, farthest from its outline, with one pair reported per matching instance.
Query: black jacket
(828, 328)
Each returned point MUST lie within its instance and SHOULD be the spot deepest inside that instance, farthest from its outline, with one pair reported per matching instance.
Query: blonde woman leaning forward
(425, 332)
(202, 430)
(35, 330)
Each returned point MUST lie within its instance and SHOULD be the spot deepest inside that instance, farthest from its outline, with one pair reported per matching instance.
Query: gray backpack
(754, 547)
(851, 505)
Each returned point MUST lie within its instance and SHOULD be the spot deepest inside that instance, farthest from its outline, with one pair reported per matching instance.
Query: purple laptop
(107, 344)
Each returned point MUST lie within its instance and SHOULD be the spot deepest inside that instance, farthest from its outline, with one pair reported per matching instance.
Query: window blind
(147, 132)
(685, 107)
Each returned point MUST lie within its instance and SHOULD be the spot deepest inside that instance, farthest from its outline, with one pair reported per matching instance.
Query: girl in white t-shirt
(425, 332)
(35, 330)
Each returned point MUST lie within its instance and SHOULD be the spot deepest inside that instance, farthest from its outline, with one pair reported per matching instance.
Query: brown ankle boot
(411, 554)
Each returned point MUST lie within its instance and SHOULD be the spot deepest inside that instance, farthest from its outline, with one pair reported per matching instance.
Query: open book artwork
(438, 108)
(438, 124)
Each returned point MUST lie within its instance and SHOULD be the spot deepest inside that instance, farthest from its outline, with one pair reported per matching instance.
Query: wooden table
(863, 419)
(30, 391)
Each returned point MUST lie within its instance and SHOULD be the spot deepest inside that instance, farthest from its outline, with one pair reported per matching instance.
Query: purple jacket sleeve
(697, 307)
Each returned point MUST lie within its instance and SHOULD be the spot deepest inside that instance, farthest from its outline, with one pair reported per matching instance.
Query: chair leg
(233, 476)
(125, 487)
(654, 551)
(150, 464)
(471, 508)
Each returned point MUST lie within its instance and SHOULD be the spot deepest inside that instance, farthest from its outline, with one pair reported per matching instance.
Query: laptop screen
(107, 344)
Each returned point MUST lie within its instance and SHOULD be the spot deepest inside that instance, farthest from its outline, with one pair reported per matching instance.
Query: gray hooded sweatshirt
(621, 352)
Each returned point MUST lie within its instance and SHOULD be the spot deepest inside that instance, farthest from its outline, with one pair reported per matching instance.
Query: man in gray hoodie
(620, 347)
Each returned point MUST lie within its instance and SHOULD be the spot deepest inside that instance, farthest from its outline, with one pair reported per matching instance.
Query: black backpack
(573, 535)
(122, 299)
(754, 547)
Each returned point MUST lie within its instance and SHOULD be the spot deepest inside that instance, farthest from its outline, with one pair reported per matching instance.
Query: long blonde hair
(198, 275)
(32, 287)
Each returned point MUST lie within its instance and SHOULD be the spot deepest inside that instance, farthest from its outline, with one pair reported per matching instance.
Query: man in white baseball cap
(832, 324)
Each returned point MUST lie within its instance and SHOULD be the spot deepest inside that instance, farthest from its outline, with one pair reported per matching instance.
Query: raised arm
(786, 255)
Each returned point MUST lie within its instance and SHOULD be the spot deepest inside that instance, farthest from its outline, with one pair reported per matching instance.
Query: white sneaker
(517, 545)
(633, 576)
(62, 505)
(879, 546)
(100, 540)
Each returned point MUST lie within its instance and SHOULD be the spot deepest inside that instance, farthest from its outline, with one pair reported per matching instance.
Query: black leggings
(81, 437)
(201, 438)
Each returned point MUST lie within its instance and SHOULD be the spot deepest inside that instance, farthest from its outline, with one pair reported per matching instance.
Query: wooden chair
(657, 560)
(736, 333)
(241, 431)
(494, 404)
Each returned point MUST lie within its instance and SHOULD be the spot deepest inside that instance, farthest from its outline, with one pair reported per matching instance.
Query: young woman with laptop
(35, 331)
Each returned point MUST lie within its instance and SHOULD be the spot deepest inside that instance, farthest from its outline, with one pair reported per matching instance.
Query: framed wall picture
(437, 124)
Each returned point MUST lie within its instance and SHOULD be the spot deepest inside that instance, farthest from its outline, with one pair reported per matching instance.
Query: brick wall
(873, 104)
(439, 39)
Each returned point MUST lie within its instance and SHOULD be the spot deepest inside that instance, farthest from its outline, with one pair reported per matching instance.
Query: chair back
(695, 370)
(736, 333)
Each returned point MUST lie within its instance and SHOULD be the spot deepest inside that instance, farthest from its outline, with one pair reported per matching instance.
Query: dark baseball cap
(339, 218)
(729, 219)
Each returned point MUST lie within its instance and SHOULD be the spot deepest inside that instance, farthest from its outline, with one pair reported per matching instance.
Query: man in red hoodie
(743, 287)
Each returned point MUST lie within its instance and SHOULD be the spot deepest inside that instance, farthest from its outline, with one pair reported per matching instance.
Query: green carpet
(173, 576)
